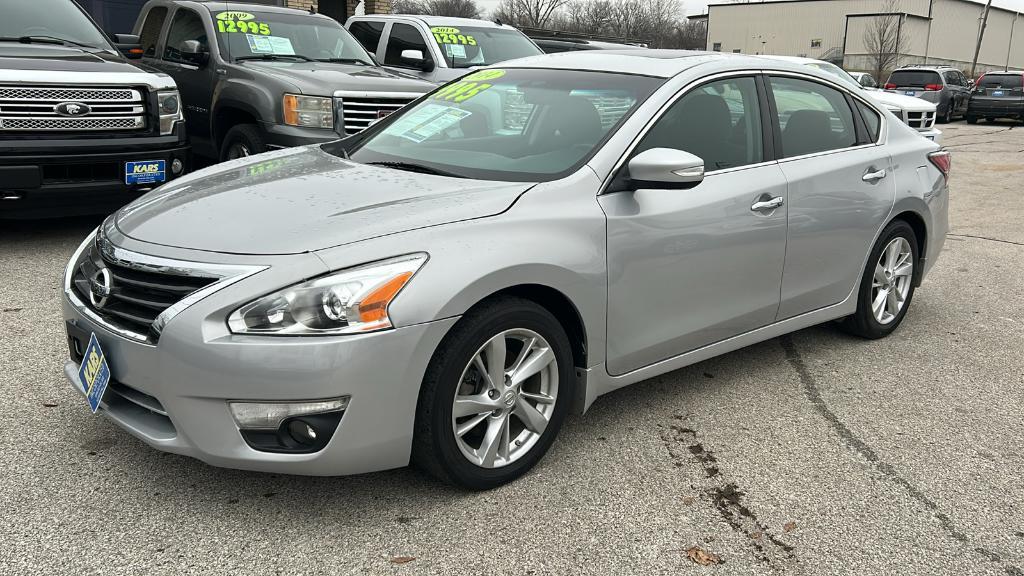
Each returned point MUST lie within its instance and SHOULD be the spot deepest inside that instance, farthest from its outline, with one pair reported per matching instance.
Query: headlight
(898, 112)
(351, 301)
(169, 107)
(309, 111)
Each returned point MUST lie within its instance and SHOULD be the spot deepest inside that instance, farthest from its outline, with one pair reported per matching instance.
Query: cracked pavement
(815, 453)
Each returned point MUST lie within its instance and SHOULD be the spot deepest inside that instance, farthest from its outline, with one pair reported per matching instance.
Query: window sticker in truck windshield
(243, 22)
(468, 87)
(270, 45)
(451, 36)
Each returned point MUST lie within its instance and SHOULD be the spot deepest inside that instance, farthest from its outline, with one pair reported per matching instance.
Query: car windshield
(54, 20)
(464, 46)
(838, 72)
(914, 78)
(1009, 81)
(523, 125)
(264, 34)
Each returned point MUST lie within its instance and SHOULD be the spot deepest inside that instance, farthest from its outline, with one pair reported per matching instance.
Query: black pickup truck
(82, 129)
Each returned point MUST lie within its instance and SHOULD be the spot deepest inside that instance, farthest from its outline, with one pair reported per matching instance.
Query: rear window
(1001, 81)
(914, 78)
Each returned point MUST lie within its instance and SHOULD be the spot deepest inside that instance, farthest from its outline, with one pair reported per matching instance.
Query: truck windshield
(52, 20)
(464, 47)
(518, 125)
(263, 34)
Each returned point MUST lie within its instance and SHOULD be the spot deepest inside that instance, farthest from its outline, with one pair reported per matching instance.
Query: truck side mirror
(193, 51)
(415, 59)
(128, 45)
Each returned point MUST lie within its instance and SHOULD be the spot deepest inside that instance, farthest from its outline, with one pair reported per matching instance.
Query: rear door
(687, 268)
(841, 188)
(369, 33)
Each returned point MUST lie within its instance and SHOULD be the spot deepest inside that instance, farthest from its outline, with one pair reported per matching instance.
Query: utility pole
(1010, 45)
(981, 36)
(928, 37)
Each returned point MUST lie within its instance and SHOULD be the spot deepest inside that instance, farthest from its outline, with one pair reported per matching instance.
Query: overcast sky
(699, 6)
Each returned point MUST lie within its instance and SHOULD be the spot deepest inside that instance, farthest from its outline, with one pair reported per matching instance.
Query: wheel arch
(231, 114)
(920, 228)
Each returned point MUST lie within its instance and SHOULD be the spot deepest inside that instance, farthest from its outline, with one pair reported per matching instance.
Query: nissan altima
(445, 287)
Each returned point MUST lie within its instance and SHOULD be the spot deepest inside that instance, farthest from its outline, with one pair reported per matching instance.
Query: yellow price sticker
(235, 15)
(243, 26)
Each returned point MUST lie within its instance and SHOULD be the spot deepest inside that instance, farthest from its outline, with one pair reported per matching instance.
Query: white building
(931, 31)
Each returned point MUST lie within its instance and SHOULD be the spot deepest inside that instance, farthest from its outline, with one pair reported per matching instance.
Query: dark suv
(256, 77)
(943, 86)
(82, 129)
(997, 95)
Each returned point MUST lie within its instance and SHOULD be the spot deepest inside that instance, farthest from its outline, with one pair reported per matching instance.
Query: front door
(403, 37)
(687, 268)
(195, 79)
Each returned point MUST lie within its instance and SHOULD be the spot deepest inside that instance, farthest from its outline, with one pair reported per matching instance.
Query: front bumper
(933, 134)
(198, 366)
(992, 108)
(85, 176)
(284, 136)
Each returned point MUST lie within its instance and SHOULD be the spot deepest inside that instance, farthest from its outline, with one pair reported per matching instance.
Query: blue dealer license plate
(145, 172)
(94, 374)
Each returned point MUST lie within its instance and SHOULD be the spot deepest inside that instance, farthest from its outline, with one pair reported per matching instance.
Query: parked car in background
(914, 112)
(438, 48)
(82, 129)
(943, 86)
(479, 279)
(256, 77)
(997, 95)
(556, 44)
(864, 79)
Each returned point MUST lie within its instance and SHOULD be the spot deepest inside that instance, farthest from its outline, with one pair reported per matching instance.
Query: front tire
(887, 286)
(495, 395)
(241, 141)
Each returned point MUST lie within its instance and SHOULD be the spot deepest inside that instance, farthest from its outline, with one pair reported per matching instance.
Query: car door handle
(873, 177)
(766, 205)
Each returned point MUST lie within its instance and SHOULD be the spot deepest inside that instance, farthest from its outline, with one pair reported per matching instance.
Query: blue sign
(94, 374)
(145, 172)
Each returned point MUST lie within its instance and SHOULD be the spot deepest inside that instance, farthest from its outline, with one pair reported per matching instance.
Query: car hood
(51, 57)
(303, 199)
(325, 78)
(908, 103)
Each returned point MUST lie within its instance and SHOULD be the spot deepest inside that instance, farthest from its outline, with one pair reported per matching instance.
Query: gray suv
(256, 77)
(943, 86)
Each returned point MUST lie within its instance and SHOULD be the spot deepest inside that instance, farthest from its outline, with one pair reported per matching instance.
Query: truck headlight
(169, 107)
(355, 300)
(308, 111)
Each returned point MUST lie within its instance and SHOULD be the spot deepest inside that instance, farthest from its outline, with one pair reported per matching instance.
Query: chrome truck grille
(48, 109)
(921, 121)
(356, 111)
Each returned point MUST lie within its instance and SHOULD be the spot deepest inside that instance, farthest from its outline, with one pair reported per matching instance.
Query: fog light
(270, 415)
(302, 432)
(177, 166)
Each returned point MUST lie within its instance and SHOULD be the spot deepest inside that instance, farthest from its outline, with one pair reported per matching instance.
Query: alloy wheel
(238, 150)
(892, 279)
(505, 398)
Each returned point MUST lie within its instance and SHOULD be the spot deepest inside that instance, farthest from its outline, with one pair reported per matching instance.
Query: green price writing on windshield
(448, 35)
(244, 26)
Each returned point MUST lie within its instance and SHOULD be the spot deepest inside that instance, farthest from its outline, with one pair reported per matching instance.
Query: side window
(368, 34)
(951, 78)
(871, 119)
(812, 117)
(404, 37)
(186, 26)
(719, 121)
(150, 33)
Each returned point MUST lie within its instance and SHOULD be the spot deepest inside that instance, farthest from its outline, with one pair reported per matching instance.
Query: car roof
(217, 6)
(654, 62)
(437, 20)
(1004, 72)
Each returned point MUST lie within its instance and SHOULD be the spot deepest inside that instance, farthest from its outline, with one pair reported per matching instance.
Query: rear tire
(454, 448)
(241, 141)
(888, 280)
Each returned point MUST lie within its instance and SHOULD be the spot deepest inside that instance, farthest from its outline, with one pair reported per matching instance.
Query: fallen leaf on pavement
(687, 500)
(50, 404)
(703, 557)
(402, 559)
(756, 535)
(789, 526)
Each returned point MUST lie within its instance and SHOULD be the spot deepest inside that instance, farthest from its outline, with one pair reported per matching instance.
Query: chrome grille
(921, 121)
(34, 108)
(137, 297)
(358, 112)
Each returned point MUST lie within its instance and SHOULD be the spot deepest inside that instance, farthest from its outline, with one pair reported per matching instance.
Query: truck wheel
(241, 141)
(972, 119)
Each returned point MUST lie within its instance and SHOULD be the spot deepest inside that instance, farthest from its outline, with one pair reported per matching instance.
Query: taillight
(933, 87)
(942, 160)
(890, 86)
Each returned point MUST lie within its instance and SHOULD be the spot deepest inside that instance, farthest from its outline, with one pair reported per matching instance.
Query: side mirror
(193, 51)
(128, 45)
(666, 168)
(415, 59)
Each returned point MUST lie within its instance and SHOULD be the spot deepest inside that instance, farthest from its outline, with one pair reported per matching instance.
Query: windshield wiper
(274, 57)
(40, 39)
(413, 167)
(344, 61)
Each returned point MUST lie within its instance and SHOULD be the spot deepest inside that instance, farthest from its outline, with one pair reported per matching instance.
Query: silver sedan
(445, 287)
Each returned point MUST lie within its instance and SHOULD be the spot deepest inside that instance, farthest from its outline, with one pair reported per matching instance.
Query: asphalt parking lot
(815, 453)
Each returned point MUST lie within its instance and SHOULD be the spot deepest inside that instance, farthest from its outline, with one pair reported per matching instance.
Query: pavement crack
(989, 238)
(810, 387)
(685, 447)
